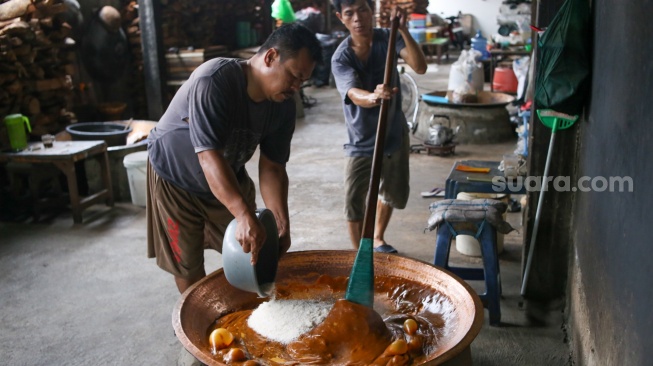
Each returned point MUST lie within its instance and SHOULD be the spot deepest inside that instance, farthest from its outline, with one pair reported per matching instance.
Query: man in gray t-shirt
(197, 181)
(358, 67)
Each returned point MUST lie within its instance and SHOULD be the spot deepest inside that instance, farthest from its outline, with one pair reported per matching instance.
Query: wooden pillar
(153, 56)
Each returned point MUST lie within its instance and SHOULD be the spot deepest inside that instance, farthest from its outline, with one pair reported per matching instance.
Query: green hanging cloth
(564, 50)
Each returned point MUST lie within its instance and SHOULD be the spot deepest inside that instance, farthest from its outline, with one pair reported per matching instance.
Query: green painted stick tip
(360, 288)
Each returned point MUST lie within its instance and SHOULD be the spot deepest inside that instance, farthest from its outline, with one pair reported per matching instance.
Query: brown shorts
(181, 225)
(394, 187)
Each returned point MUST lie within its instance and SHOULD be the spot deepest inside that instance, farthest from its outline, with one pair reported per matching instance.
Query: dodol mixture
(308, 322)
(285, 320)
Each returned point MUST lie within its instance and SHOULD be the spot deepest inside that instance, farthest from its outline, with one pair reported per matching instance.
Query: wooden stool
(487, 237)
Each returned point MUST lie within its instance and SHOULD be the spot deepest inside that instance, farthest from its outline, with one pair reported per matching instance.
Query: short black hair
(289, 39)
(338, 4)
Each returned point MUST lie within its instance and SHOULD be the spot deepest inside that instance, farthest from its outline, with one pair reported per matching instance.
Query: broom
(555, 121)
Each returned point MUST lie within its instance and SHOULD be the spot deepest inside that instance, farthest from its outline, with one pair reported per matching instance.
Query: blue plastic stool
(485, 233)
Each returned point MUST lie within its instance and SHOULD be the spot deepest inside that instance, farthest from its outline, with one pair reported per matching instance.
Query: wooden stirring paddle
(360, 288)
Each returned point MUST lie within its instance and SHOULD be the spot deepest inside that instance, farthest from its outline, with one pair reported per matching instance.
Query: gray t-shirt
(349, 72)
(212, 111)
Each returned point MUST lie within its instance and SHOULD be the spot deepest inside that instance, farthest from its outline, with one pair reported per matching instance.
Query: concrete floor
(87, 295)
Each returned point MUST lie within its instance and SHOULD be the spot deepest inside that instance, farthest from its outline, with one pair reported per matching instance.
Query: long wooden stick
(377, 160)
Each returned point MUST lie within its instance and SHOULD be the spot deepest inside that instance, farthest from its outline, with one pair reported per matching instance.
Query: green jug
(16, 130)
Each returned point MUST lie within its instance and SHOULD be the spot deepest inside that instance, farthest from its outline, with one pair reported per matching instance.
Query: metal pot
(439, 134)
(213, 297)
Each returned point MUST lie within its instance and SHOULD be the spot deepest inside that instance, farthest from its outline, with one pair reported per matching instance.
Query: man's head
(356, 15)
(289, 56)
(338, 4)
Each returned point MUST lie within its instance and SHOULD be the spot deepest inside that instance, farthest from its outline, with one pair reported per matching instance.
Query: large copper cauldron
(213, 297)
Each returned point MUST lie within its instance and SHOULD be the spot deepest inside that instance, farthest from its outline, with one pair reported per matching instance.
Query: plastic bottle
(479, 43)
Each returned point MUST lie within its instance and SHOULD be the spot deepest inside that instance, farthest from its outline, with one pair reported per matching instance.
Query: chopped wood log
(35, 71)
(50, 84)
(8, 57)
(5, 23)
(16, 41)
(41, 39)
(7, 67)
(30, 105)
(14, 87)
(22, 50)
(17, 29)
(48, 11)
(39, 130)
(7, 78)
(17, 8)
(42, 119)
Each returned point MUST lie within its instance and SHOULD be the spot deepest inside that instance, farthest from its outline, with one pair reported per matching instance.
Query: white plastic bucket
(136, 165)
(467, 244)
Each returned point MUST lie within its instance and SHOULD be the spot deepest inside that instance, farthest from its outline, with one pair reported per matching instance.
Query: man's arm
(273, 180)
(365, 99)
(224, 186)
(412, 53)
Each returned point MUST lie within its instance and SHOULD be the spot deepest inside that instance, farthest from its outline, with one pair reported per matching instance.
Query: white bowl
(237, 264)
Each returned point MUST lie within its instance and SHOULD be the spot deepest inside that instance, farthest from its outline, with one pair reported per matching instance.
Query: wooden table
(64, 155)
(441, 46)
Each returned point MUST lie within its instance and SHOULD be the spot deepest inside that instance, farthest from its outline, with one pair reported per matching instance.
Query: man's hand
(380, 94)
(274, 190)
(251, 235)
(284, 243)
(403, 17)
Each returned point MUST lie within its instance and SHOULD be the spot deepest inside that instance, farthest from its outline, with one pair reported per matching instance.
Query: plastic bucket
(467, 244)
(114, 134)
(136, 165)
(504, 80)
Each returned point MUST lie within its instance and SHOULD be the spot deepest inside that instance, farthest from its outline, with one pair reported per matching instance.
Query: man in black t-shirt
(197, 181)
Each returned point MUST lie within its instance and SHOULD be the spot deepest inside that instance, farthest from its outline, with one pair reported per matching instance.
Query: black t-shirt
(212, 111)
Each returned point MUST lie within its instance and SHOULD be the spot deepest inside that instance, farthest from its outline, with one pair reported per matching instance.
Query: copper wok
(213, 297)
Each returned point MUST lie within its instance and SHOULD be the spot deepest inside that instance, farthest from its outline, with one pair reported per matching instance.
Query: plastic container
(113, 134)
(417, 23)
(467, 244)
(419, 34)
(236, 264)
(16, 124)
(431, 35)
(504, 80)
(136, 165)
(479, 43)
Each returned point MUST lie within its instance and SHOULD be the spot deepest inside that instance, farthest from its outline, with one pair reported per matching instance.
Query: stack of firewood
(411, 6)
(36, 64)
(203, 23)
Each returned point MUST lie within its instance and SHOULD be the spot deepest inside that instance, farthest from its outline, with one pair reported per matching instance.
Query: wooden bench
(436, 47)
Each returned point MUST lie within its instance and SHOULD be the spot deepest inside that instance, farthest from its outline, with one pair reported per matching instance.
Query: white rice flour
(285, 320)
